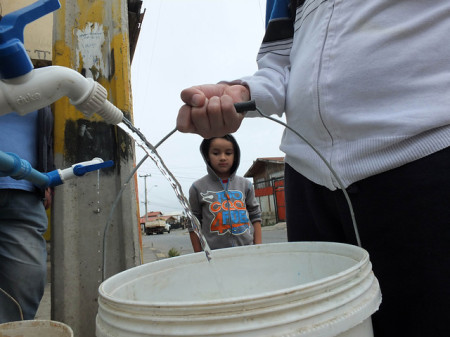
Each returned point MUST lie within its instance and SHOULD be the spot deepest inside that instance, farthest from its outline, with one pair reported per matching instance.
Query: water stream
(150, 150)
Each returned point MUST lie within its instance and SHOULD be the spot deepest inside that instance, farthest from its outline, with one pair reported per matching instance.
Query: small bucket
(283, 289)
(35, 328)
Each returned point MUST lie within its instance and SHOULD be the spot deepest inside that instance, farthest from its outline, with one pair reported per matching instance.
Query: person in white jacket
(367, 83)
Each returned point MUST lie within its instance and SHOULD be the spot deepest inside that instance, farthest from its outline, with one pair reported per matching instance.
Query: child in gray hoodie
(223, 202)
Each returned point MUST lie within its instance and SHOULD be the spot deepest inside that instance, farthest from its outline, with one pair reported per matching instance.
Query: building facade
(268, 181)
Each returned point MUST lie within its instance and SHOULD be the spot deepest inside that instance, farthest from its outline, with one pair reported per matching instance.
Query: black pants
(403, 219)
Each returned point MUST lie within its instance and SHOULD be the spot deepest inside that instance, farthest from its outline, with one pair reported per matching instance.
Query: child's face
(221, 156)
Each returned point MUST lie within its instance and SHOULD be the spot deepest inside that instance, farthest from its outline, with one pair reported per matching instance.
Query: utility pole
(145, 176)
(92, 37)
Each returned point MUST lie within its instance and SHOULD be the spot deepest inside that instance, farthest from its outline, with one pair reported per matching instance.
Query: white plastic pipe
(43, 86)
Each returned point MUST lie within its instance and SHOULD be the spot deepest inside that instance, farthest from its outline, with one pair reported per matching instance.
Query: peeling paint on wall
(89, 48)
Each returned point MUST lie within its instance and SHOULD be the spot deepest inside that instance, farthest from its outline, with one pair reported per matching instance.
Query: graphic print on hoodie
(229, 212)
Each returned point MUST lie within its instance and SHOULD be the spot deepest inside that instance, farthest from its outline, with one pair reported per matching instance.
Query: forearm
(195, 242)
(267, 88)
(257, 234)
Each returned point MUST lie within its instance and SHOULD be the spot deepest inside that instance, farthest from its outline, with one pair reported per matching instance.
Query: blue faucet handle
(58, 177)
(81, 169)
(14, 60)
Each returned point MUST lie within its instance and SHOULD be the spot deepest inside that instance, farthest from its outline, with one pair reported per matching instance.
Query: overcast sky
(184, 43)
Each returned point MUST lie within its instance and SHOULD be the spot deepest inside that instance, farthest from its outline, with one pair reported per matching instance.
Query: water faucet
(13, 166)
(24, 89)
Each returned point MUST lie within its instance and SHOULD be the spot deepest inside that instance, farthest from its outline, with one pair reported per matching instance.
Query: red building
(268, 180)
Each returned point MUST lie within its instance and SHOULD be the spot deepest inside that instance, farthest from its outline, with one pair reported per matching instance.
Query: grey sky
(184, 43)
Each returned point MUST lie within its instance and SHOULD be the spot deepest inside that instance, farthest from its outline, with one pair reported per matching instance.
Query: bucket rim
(361, 267)
(34, 323)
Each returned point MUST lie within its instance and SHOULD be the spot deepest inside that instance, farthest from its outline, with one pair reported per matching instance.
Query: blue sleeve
(277, 9)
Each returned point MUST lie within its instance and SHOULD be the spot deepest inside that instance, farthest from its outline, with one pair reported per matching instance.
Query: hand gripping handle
(245, 106)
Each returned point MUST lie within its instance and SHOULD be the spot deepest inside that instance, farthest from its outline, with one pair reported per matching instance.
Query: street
(157, 247)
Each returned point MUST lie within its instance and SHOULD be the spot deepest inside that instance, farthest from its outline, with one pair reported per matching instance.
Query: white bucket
(35, 328)
(281, 289)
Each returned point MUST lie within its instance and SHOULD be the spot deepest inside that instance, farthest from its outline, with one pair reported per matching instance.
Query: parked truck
(157, 226)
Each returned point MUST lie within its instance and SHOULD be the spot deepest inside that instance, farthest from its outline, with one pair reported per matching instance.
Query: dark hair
(206, 144)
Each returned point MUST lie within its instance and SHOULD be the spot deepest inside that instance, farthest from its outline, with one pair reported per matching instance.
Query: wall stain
(112, 66)
(85, 140)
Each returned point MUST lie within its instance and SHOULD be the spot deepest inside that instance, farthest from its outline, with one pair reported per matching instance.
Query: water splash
(150, 150)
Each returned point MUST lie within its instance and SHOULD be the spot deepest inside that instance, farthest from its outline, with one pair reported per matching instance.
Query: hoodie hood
(204, 148)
